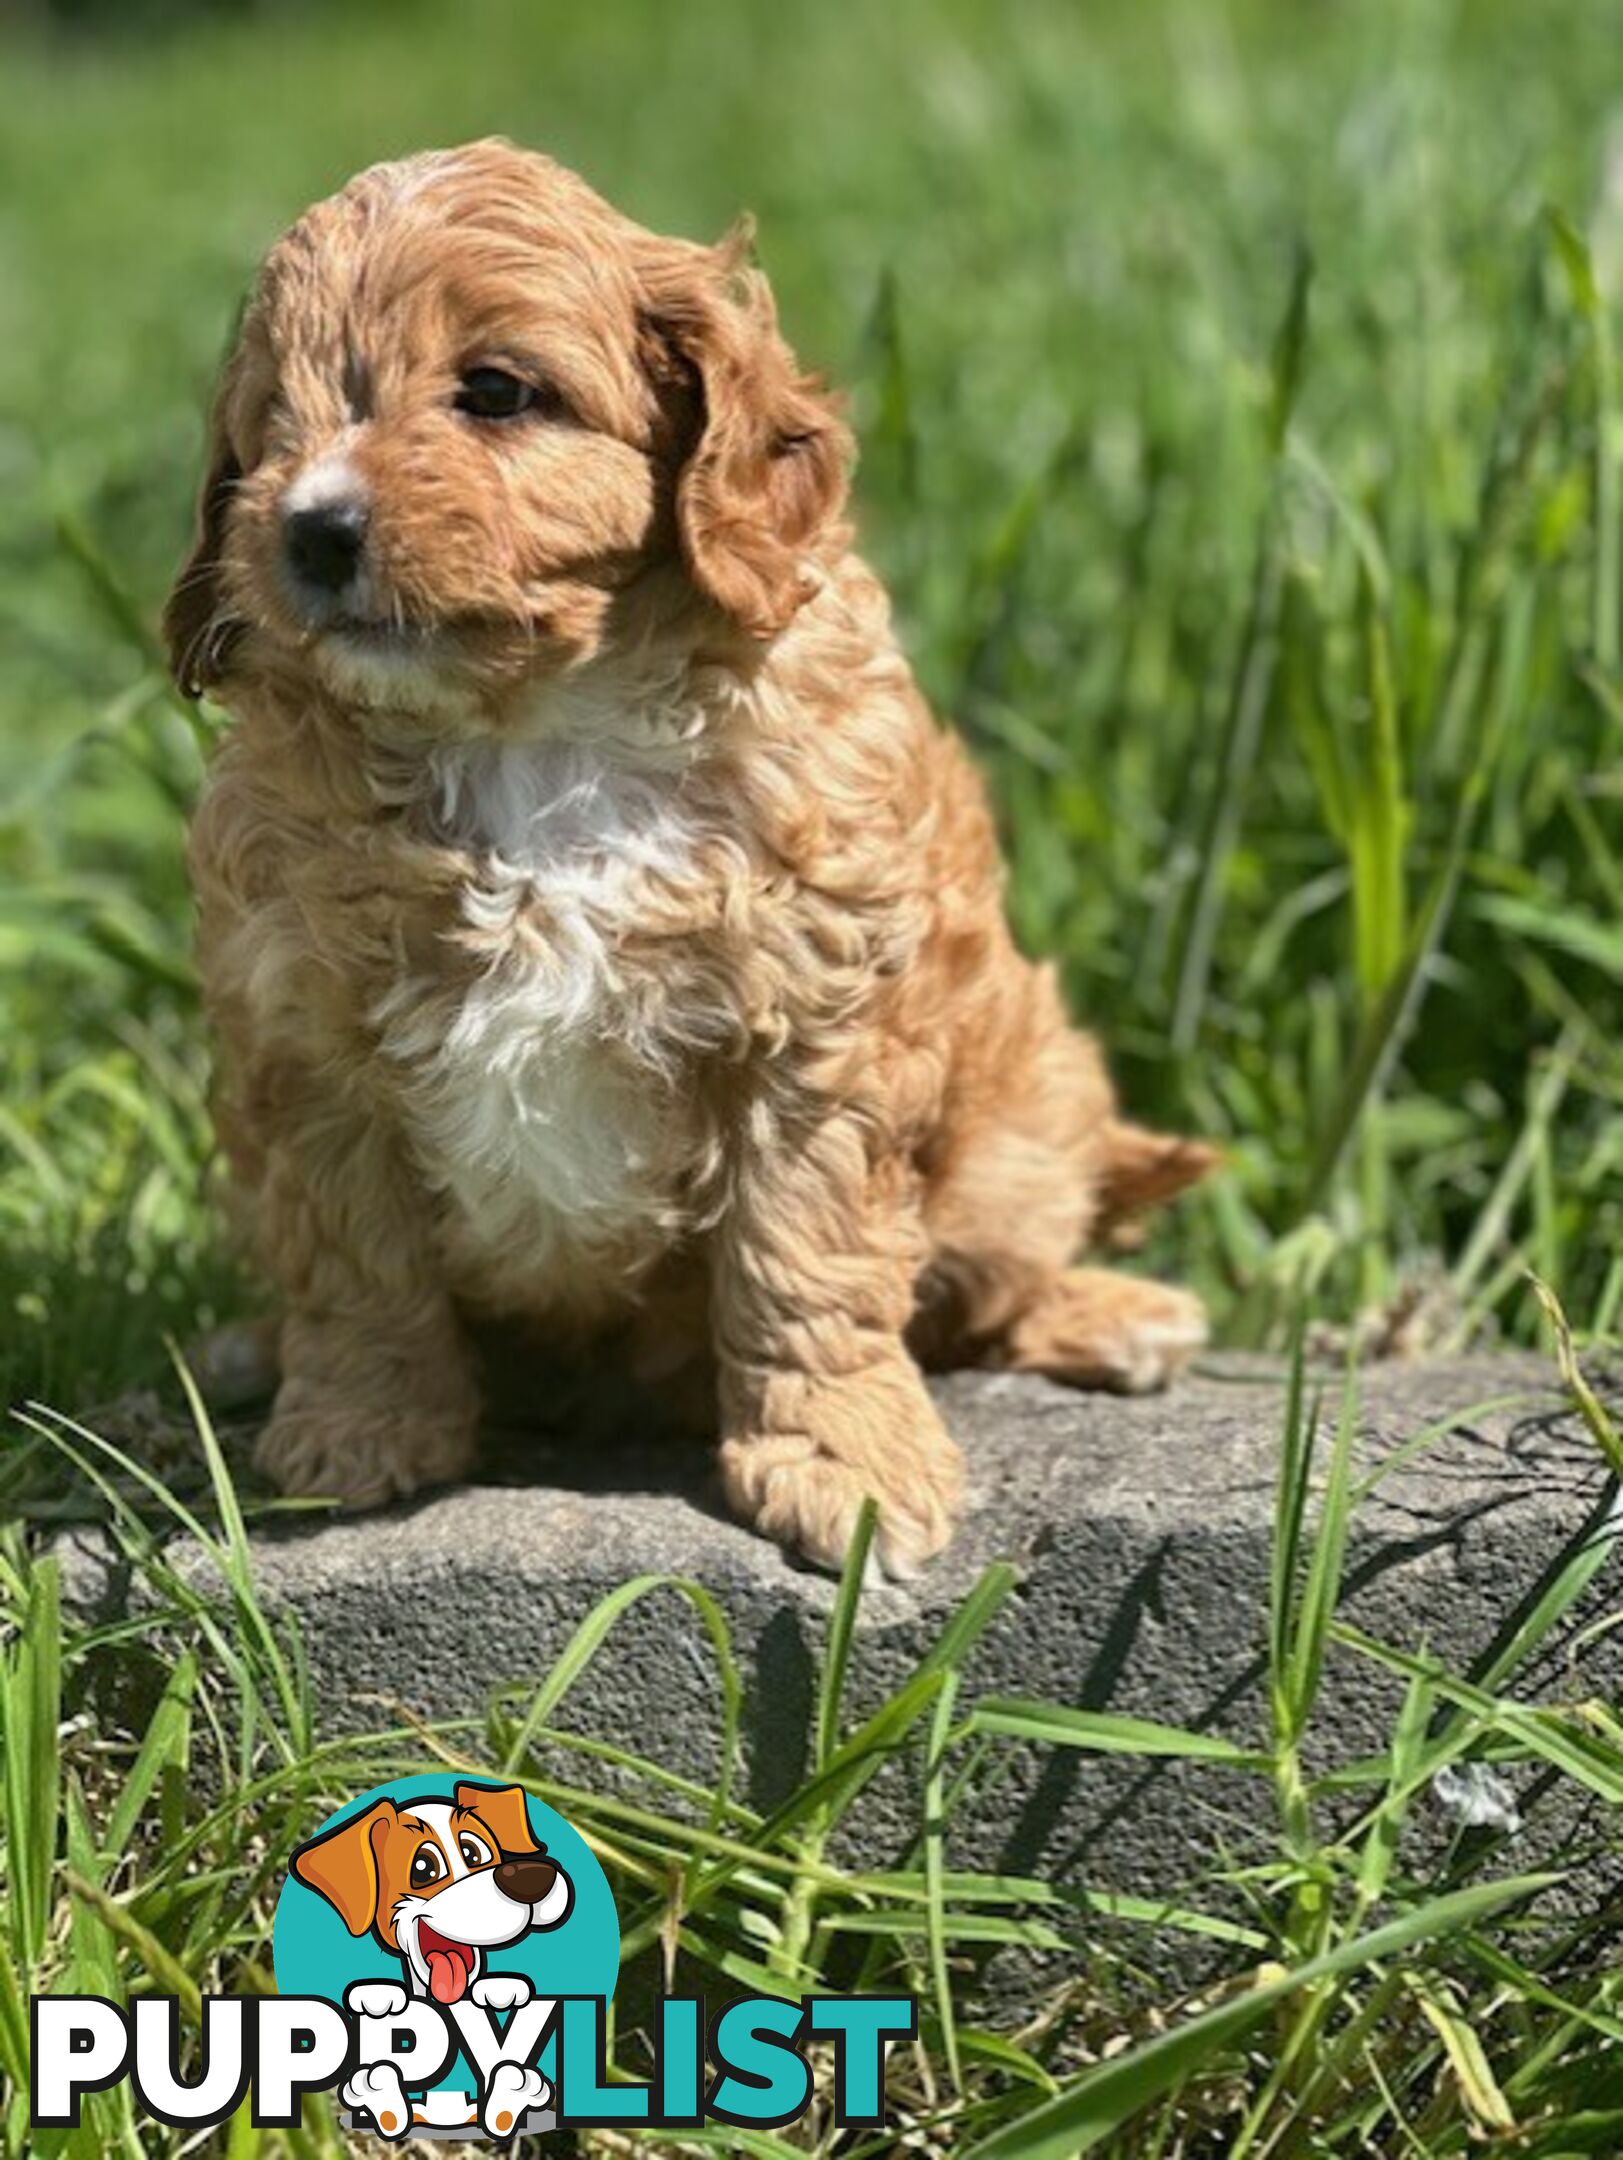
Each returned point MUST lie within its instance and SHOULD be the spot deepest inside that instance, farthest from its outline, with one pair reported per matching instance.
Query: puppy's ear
(503, 1813)
(197, 631)
(767, 458)
(342, 1866)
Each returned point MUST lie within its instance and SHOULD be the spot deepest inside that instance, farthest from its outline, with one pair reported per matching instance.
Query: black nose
(527, 1881)
(324, 543)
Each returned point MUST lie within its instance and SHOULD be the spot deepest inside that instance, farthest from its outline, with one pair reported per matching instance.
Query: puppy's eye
(474, 1850)
(491, 393)
(426, 1867)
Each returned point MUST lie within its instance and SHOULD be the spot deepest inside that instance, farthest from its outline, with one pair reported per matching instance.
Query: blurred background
(1240, 440)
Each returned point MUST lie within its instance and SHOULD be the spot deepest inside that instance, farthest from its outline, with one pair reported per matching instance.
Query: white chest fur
(547, 1108)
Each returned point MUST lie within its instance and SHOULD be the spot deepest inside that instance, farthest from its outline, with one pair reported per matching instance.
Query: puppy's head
(476, 427)
(440, 1881)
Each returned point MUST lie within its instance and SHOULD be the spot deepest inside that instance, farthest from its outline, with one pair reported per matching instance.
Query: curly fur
(595, 925)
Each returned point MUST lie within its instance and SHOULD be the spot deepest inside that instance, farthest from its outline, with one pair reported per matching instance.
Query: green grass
(1238, 394)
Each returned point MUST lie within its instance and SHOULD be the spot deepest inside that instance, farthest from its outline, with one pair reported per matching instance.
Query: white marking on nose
(329, 478)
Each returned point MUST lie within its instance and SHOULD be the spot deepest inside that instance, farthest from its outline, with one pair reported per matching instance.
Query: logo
(445, 1951)
(442, 1902)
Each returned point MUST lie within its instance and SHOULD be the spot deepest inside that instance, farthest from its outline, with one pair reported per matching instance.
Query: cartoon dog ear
(501, 1809)
(767, 457)
(342, 1866)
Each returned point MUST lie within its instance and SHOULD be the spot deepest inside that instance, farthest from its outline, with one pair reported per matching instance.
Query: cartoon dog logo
(440, 1883)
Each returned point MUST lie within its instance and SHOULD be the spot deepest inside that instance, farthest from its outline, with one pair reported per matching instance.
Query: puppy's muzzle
(324, 543)
(525, 1881)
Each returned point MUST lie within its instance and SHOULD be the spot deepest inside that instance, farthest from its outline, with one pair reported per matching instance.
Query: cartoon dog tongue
(450, 1966)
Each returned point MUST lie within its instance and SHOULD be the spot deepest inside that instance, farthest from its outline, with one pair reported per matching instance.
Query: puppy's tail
(1139, 1170)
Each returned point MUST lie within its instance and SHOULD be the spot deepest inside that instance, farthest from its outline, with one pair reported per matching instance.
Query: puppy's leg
(1035, 1165)
(821, 1405)
(378, 1395)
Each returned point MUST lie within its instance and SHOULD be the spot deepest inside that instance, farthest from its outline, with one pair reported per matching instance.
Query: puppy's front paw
(375, 1998)
(843, 1439)
(379, 2091)
(501, 1991)
(361, 1457)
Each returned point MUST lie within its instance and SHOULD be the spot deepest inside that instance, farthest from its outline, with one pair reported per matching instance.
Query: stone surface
(1141, 1529)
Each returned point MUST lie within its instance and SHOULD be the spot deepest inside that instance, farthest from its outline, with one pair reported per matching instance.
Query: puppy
(595, 926)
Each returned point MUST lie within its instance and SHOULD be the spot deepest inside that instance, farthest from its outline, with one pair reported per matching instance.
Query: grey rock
(1142, 1533)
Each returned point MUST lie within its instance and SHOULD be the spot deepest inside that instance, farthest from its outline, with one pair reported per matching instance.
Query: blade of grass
(841, 1632)
(1099, 2102)
(1105, 1733)
(935, 1830)
(1586, 1402)
(29, 1732)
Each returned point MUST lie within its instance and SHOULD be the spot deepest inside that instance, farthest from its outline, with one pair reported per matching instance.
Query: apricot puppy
(595, 925)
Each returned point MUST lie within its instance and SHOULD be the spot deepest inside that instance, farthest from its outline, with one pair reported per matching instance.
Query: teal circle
(313, 1952)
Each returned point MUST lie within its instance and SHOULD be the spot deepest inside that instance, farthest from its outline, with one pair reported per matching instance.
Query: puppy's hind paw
(1096, 1329)
(237, 1365)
